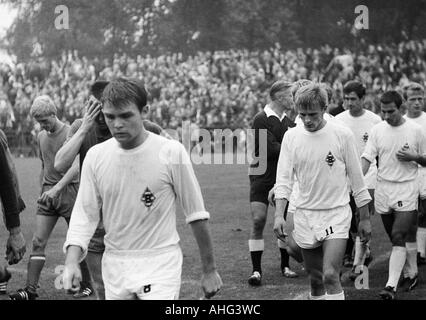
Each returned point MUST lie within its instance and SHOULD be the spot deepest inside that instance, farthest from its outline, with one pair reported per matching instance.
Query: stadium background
(209, 62)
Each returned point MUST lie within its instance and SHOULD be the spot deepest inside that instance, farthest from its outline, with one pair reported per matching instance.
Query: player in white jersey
(137, 179)
(399, 144)
(291, 246)
(414, 97)
(322, 156)
(360, 122)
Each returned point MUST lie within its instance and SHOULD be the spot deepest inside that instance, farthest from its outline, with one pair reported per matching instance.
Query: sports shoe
(348, 261)
(23, 294)
(408, 284)
(83, 293)
(255, 279)
(388, 293)
(421, 261)
(4, 281)
(288, 273)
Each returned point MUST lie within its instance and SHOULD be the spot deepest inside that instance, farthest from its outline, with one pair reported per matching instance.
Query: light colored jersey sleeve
(186, 185)
(422, 143)
(285, 172)
(86, 212)
(371, 151)
(354, 171)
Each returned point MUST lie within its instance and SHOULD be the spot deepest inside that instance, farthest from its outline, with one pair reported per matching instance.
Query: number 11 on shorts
(329, 231)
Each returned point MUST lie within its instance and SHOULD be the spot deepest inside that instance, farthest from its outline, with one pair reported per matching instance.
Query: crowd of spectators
(211, 89)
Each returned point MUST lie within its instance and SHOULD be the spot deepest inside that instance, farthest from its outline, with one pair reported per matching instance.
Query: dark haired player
(360, 121)
(134, 181)
(399, 144)
(84, 134)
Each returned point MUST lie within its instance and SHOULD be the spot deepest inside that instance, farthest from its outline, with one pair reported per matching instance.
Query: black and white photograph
(217, 153)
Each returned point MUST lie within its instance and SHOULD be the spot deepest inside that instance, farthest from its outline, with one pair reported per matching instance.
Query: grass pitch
(226, 192)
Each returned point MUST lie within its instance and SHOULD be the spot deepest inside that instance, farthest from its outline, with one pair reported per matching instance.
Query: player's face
(125, 124)
(352, 102)
(391, 114)
(415, 102)
(46, 122)
(312, 118)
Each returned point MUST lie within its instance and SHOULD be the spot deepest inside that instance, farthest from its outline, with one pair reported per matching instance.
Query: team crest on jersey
(148, 198)
(330, 159)
(365, 137)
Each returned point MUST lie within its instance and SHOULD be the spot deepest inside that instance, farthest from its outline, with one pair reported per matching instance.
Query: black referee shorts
(259, 189)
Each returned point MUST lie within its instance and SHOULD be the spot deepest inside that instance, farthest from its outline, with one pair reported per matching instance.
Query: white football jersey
(137, 191)
(385, 141)
(323, 162)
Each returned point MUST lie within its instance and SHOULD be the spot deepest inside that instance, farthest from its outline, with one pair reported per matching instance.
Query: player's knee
(259, 222)
(331, 277)
(399, 238)
(316, 279)
(294, 250)
(39, 245)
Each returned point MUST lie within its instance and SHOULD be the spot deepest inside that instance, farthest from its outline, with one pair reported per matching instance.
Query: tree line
(102, 27)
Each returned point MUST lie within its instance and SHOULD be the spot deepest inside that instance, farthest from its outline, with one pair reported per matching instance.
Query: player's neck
(58, 125)
(413, 115)
(357, 112)
(137, 141)
(400, 122)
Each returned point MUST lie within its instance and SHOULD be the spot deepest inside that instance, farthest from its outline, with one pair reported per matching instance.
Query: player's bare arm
(364, 226)
(211, 281)
(271, 197)
(72, 273)
(406, 155)
(279, 221)
(69, 151)
(54, 192)
(15, 247)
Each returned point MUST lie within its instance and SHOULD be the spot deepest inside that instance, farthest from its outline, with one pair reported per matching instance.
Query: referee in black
(273, 122)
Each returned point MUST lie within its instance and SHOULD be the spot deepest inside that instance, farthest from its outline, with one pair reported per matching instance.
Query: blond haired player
(322, 156)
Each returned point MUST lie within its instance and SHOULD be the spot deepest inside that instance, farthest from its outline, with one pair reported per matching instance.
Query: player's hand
(71, 277)
(92, 109)
(406, 155)
(15, 247)
(49, 196)
(211, 283)
(364, 230)
(279, 227)
(271, 197)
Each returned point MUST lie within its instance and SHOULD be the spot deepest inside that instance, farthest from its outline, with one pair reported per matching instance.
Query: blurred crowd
(211, 89)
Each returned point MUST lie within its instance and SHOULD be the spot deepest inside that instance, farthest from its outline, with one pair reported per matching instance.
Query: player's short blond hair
(312, 96)
(299, 84)
(43, 106)
(414, 86)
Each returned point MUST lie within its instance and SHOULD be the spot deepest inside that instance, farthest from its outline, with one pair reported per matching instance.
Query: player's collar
(271, 113)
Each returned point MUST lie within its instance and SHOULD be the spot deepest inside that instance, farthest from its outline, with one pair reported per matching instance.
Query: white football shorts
(312, 227)
(143, 275)
(396, 196)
